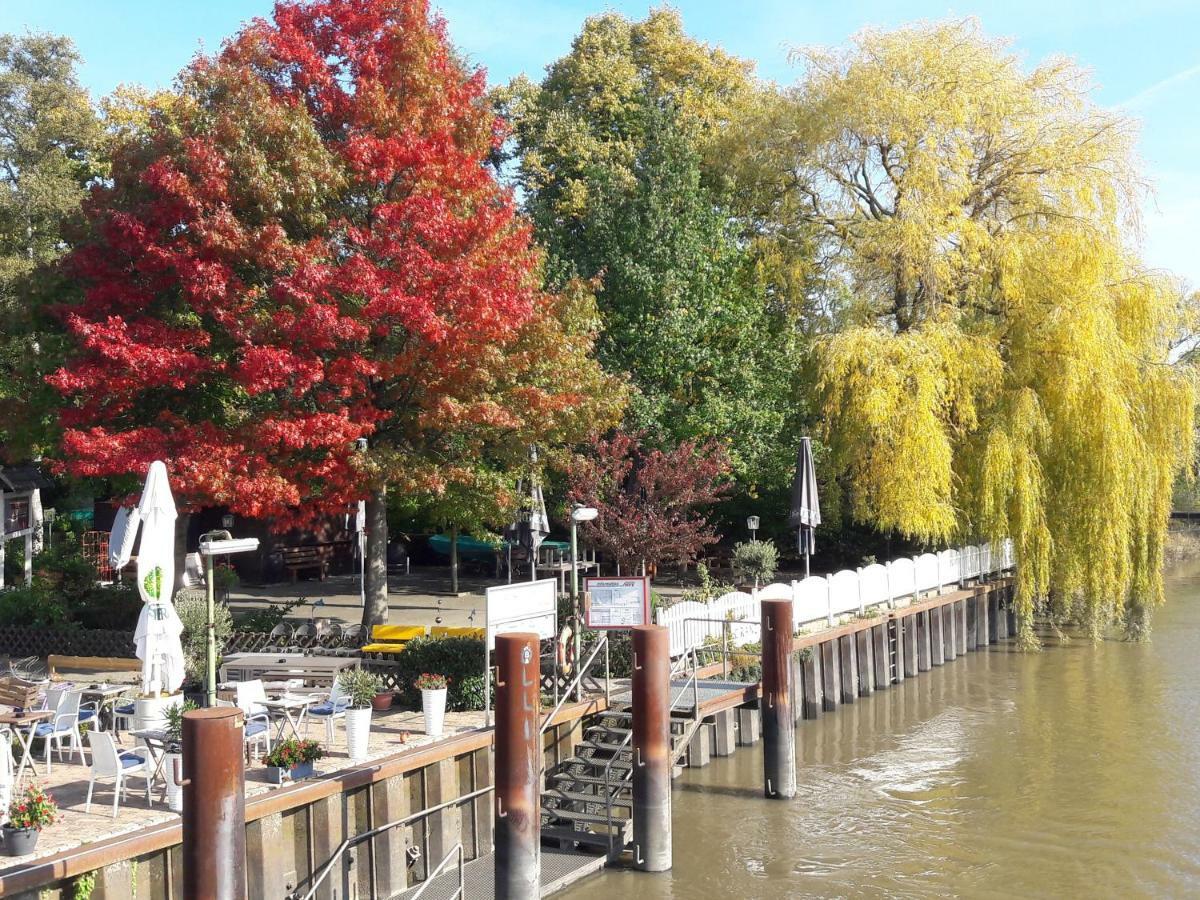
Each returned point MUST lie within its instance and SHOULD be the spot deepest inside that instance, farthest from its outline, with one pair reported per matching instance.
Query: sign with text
(617, 602)
(523, 606)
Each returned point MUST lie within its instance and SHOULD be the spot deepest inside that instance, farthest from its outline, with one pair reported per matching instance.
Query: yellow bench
(452, 631)
(392, 638)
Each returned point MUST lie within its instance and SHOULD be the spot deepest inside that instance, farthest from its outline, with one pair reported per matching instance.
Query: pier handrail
(577, 681)
(461, 893)
(318, 877)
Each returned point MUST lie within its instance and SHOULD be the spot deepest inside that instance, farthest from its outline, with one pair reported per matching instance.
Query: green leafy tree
(613, 149)
(49, 137)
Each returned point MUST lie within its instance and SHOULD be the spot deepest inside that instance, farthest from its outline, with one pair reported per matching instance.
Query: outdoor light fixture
(217, 543)
(361, 445)
(583, 514)
(752, 524)
(227, 521)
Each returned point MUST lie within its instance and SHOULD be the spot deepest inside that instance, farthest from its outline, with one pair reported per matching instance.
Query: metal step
(609, 729)
(600, 762)
(592, 779)
(586, 818)
(600, 799)
(586, 838)
(605, 746)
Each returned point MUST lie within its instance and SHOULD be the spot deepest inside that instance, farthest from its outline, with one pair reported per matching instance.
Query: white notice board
(522, 606)
(617, 602)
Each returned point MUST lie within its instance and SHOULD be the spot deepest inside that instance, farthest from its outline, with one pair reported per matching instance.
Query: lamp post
(752, 524)
(216, 543)
(579, 513)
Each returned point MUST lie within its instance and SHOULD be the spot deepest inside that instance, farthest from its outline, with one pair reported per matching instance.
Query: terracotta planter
(20, 841)
(382, 701)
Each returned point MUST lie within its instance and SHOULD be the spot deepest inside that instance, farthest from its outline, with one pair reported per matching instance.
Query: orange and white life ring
(565, 648)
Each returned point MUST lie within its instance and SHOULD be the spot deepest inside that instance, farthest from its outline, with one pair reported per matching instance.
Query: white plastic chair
(334, 707)
(256, 731)
(251, 697)
(107, 762)
(64, 724)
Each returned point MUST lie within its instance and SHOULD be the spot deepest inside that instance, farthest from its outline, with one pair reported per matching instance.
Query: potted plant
(360, 688)
(382, 700)
(757, 560)
(292, 759)
(433, 701)
(28, 814)
(173, 765)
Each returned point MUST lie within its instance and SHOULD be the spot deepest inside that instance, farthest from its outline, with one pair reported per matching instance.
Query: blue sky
(1145, 57)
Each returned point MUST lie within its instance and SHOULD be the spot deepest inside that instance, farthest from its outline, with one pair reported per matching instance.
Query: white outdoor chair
(251, 697)
(64, 724)
(257, 730)
(330, 709)
(193, 571)
(107, 762)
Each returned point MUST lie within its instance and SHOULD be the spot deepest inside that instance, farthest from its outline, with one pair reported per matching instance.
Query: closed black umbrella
(805, 515)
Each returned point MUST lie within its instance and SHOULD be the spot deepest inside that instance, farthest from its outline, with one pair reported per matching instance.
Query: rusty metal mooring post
(779, 728)
(518, 767)
(214, 805)
(652, 748)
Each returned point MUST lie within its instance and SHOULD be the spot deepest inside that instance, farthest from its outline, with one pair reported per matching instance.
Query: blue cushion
(86, 714)
(325, 709)
(44, 729)
(126, 710)
(255, 728)
(129, 758)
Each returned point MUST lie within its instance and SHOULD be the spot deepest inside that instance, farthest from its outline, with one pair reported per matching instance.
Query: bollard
(518, 768)
(779, 728)
(214, 805)
(652, 748)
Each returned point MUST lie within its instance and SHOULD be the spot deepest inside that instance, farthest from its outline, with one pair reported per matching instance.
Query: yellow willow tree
(1003, 367)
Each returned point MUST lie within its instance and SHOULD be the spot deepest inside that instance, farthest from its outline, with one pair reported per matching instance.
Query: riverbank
(1071, 772)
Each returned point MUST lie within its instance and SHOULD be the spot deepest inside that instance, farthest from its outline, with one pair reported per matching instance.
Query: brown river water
(1074, 772)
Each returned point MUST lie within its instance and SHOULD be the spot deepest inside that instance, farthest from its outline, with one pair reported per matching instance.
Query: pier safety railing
(818, 597)
(317, 878)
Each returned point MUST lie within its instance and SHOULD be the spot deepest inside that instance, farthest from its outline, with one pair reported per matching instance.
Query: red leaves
(653, 504)
(306, 249)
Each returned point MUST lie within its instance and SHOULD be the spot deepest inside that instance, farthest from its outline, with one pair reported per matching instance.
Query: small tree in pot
(758, 560)
(28, 814)
(433, 701)
(360, 687)
(172, 767)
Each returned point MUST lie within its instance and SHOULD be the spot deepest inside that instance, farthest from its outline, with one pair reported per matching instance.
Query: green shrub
(758, 560)
(460, 659)
(360, 686)
(192, 610)
(34, 606)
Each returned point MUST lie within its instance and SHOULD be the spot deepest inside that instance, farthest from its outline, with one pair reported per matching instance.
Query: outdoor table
(294, 708)
(155, 740)
(24, 723)
(281, 666)
(106, 695)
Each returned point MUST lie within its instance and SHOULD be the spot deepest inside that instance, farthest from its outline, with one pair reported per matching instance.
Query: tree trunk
(454, 559)
(375, 609)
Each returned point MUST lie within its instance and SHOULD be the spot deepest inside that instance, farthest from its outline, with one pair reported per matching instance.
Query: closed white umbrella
(159, 629)
(806, 507)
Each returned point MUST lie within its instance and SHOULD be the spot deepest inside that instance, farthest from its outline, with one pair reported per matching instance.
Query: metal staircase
(588, 798)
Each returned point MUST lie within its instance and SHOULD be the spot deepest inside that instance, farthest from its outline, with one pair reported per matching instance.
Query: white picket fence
(826, 597)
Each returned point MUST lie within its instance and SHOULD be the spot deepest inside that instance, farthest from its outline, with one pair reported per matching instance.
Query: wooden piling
(881, 657)
(830, 683)
(923, 651)
(864, 650)
(810, 683)
(937, 637)
(950, 632)
(849, 668)
(909, 626)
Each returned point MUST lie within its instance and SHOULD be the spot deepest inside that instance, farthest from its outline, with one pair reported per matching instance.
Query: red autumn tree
(653, 504)
(306, 247)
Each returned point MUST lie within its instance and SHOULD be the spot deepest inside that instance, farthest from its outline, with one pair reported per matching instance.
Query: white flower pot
(358, 733)
(433, 705)
(151, 712)
(172, 766)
